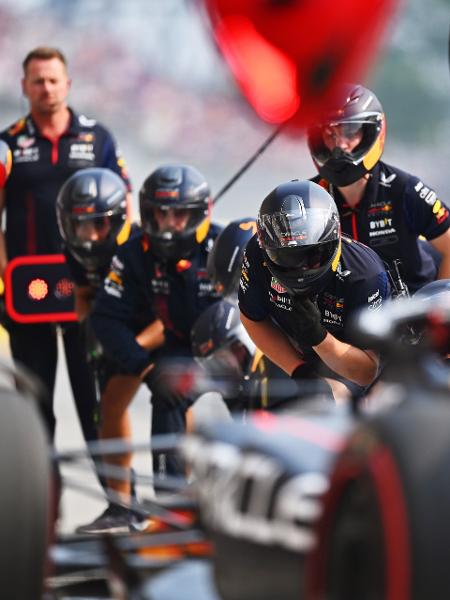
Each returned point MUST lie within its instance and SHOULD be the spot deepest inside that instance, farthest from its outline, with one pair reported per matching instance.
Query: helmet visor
(297, 228)
(353, 137)
(226, 366)
(91, 231)
(91, 237)
(170, 222)
(303, 258)
(95, 229)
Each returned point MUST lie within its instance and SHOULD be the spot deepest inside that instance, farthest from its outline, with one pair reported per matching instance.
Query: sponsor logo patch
(26, 155)
(386, 180)
(276, 285)
(82, 151)
(24, 141)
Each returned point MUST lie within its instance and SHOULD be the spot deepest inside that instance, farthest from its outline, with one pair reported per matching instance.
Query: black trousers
(166, 421)
(170, 420)
(35, 347)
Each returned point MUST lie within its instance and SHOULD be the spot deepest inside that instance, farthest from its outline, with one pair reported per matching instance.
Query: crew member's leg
(81, 381)
(117, 393)
(35, 347)
(166, 419)
(116, 424)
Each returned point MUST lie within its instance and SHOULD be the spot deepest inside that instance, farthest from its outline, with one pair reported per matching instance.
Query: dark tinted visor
(369, 126)
(173, 220)
(303, 258)
(348, 129)
(93, 229)
(296, 228)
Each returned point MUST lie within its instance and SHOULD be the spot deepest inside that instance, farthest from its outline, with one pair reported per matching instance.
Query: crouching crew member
(301, 281)
(164, 270)
(92, 217)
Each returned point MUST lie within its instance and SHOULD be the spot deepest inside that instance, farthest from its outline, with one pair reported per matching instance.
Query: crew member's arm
(113, 313)
(429, 217)
(359, 366)
(5, 169)
(152, 336)
(442, 245)
(253, 302)
(273, 343)
(113, 159)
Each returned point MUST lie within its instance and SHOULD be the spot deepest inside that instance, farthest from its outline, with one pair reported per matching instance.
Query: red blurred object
(5, 162)
(290, 57)
(64, 288)
(38, 289)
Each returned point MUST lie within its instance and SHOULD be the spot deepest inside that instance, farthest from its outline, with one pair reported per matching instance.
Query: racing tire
(24, 498)
(385, 529)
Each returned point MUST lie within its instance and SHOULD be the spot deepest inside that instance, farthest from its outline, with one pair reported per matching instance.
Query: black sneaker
(139, 523)
(114, 519)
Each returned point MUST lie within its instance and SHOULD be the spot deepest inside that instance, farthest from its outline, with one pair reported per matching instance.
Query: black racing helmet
(299, 233)
(185, 191)
(222, 346)
(225, 259)
(91, 209)
(360, 110)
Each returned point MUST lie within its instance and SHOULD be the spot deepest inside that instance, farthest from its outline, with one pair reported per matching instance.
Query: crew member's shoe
(115, 519)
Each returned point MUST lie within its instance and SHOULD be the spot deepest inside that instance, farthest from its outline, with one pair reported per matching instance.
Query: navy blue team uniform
(359, 281)
(176, 292)
(82, 276)
(395, 209)
(106, 365)
(40, 166)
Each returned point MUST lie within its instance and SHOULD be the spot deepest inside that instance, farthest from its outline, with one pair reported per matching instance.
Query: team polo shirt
(39, 168)
(395, 210)
(359, 282)
(140, 317)
(138, 284)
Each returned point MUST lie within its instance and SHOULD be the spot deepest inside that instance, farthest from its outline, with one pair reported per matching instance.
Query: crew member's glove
(309, 383)
(304, 371)
(167, 391)
(307, 326)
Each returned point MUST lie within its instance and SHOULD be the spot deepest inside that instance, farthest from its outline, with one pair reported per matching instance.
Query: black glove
(306, 325)
(166, 391)
(304, 371)
(309, 383)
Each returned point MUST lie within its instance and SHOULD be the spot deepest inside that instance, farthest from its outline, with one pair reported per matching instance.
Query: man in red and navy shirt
(47, 146)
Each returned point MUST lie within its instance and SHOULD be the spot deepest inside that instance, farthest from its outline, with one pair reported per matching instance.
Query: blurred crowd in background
(149, 71)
